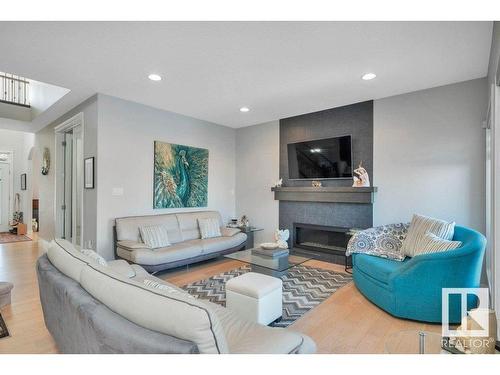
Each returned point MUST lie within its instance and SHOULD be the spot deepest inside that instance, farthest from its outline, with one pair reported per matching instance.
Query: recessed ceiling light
(154, 77)
(368, 76)
(244, 109)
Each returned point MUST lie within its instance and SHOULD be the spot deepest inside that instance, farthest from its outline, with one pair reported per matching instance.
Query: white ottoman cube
(255, 297)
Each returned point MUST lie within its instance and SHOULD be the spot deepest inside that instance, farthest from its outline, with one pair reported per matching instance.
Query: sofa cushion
(127, 228)
(179, 251)
(376, 267)
(229, 232)
(154, 236)
(419, 226)
(174, 314)
(132, 245)
(188, 223)
(213, 245)
(246, 337)
(66, 258)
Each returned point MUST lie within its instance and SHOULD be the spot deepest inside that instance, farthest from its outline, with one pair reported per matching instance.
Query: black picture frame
(89, 174)
(23, 181)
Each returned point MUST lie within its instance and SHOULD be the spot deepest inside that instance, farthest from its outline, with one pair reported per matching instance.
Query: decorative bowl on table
(269, 245)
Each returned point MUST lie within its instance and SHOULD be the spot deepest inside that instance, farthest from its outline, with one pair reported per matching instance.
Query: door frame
(70, 124)
(10, 162)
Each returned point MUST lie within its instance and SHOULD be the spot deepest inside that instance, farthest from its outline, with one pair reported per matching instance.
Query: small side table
(249, 231)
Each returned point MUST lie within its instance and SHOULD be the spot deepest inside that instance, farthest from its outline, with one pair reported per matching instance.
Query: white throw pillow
(419, 227)
(433, 244)
(209, 228)
(95, 257)
(154, 236)
(156, 285)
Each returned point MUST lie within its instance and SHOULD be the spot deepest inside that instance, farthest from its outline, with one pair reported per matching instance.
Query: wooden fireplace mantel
(325, 194)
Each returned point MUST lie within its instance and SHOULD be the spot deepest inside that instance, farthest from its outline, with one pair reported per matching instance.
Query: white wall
(127, 131)
(429, 155)
(20, 143)
(44, 95)
(257, 169)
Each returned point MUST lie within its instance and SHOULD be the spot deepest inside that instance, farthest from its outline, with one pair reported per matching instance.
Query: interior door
(67, 205)
(4, 196)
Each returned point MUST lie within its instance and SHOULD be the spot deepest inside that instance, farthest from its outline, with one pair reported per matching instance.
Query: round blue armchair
(412, 288)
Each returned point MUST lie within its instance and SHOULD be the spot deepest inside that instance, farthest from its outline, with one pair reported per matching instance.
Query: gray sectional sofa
(184, 235)
(95, 308)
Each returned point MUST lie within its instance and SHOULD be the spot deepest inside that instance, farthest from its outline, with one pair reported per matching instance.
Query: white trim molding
(77, 121)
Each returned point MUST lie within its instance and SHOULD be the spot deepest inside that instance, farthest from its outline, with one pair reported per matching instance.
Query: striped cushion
(156, 285)
(209, 228)
(94, 257)
(433, 244)
(154, 236)
(419, 227)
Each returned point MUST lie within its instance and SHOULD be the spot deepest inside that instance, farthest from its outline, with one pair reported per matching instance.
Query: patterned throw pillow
(419, 226)
(154, 236)
(165, 287)
(209, 228)
(95, 257)
(433, 244)
(384, 241)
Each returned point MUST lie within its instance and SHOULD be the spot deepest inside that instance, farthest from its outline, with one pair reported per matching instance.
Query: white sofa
(184, 235)
(91, 308)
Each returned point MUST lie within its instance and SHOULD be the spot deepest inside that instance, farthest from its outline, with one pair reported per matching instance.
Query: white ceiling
(211, 69)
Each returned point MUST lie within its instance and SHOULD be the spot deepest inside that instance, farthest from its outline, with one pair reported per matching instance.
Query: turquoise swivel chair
(412, 289)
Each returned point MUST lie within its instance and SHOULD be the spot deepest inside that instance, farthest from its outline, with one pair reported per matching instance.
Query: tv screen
(320, 159)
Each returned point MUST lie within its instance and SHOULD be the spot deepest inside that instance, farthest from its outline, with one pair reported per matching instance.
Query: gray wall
(495, 52)
(257, 169)
(429, 155)
(127, 131)
(46, 184)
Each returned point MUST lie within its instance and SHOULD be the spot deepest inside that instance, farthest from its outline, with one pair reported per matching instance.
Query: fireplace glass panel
(327, 239)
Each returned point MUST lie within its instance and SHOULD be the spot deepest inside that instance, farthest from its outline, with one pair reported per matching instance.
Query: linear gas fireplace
(324, 239)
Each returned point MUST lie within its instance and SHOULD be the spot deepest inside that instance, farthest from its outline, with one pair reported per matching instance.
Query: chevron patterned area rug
(303, 289)
(4, 332)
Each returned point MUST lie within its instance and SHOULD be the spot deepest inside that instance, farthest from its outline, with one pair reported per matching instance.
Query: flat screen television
(320, 159)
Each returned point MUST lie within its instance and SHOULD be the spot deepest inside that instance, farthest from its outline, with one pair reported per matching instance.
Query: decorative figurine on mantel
(279, 183)
(316, 183)
(360, 177)
(281, 237)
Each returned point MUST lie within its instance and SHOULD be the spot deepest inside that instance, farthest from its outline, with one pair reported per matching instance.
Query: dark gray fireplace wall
(356, 120)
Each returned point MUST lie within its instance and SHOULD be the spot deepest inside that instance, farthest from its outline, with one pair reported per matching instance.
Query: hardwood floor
(344, 323)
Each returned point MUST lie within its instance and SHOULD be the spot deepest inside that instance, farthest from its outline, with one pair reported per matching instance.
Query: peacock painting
(180, 176)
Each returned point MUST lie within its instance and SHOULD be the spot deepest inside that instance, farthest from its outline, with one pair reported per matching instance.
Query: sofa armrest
(460, 268)
(132, 245)
(229, 232)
